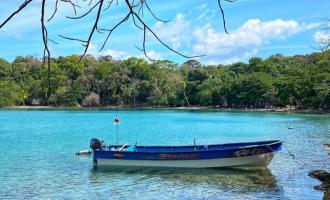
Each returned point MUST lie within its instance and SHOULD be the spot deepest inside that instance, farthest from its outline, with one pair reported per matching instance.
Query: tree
(92, 99)
(238, 68)
(302, 81)
(5, 68)
(254, 89)
(195, 77)
(288, 91)
(11, 93)
(100, 8)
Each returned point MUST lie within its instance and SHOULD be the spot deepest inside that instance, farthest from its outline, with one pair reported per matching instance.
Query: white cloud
(309, 26)
(243, 42)
(206, 13)
(117, 55)
(155, 55)
(121, 55)
(202, 6)
(322, 37)
(92, 49)
(219, 47)
(176, 32)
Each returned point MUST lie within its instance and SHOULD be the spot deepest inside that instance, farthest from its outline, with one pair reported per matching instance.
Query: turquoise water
(38, 162)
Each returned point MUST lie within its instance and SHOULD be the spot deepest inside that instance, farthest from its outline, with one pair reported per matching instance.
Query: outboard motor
(95, 144)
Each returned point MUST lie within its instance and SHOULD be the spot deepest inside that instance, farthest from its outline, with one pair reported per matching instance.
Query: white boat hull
(255, 161)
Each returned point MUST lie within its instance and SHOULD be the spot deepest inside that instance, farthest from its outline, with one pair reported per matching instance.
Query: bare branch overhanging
(135, 11)
(20, 8)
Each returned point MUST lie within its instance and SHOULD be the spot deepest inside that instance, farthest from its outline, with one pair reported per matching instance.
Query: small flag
(116, 120)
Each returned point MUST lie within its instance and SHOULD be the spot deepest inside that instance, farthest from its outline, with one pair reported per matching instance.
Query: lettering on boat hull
(118, 155)
(178, 156)
(249, 152)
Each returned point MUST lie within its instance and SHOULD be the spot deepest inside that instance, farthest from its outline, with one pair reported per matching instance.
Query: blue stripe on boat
(198, 152)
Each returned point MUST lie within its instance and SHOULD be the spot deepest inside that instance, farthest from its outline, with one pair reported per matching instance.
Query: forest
(302, 81)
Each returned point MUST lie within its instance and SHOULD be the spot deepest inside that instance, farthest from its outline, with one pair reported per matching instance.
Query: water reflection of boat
(250, 154)
(260, 180)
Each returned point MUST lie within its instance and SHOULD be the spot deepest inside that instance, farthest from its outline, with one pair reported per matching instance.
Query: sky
(257, 28)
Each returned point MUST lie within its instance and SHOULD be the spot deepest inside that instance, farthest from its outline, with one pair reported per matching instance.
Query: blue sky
(257, 28)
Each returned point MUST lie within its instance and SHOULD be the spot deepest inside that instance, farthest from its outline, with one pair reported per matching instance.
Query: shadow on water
(243, 180)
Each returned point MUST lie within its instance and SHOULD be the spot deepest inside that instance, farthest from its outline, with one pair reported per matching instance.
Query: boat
(237, 155)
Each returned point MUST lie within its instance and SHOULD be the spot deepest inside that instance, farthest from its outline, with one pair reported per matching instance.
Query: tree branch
(111, 30)
(135, 10)
(45, 41)
(85, 14)
(21, 7)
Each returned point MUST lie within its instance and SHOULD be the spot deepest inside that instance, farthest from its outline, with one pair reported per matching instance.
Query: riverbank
(279, 110)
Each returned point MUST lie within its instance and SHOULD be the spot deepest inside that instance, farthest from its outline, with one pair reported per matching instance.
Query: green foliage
(11, 93)
(254, 89)
(5, 68)
(302, 81)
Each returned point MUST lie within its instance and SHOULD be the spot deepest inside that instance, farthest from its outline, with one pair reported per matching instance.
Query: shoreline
(274, 110)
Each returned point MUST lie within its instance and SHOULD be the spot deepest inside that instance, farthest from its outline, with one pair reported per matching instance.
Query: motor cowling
(95, 144)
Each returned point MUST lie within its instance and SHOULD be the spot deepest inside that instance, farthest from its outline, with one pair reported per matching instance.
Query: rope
(291, 154)
(294, 158)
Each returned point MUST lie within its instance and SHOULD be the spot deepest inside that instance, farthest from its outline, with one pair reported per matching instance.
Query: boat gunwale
(273, 142)
(202, 145)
